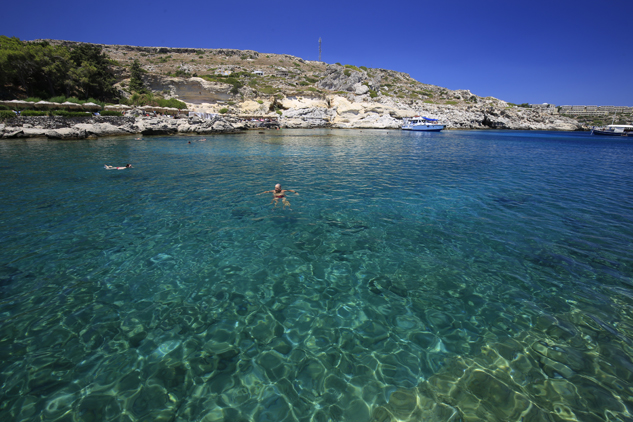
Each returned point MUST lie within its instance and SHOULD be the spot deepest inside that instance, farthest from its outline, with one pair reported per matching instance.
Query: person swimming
(279, 193)
(107, 167)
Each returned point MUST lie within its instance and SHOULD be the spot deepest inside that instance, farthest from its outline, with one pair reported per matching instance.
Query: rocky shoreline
(337, 112)
(100, 126)
(358, 113)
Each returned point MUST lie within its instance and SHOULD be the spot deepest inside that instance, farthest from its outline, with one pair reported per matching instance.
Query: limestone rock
(191, 90)
(360, 89)
(102, 129)
(66, 133)
(336, 78)
(222, 126)
(33, 132)
(12, 132)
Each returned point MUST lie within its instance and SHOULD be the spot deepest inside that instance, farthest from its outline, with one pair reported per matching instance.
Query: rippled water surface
(455, 276)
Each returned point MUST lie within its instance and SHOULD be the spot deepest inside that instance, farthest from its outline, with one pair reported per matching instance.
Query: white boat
(421, 123)
(613, 130)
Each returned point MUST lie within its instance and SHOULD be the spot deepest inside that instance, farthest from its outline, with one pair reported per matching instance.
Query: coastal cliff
(303, 94)
(356, 99)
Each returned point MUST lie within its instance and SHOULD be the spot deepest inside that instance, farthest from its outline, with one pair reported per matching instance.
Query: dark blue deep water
(456, 276)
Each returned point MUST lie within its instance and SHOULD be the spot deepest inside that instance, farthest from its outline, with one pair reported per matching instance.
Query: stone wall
(59, 122)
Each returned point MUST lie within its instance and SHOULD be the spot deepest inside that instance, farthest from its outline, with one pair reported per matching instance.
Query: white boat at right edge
(425, 124)
(613, 130)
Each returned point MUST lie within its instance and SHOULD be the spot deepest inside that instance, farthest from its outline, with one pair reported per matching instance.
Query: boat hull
(610, 133)
(424, 128)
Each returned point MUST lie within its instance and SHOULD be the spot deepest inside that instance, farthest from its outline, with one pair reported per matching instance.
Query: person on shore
(127, 166)
(279, 193)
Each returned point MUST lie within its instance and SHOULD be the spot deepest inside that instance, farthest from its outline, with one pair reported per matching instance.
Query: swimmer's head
(277, 186)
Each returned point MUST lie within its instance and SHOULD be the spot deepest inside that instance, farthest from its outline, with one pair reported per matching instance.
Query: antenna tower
(320, 49)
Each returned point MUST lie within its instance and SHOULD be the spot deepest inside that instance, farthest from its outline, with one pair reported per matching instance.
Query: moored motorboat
(422, 124)
(613, 130)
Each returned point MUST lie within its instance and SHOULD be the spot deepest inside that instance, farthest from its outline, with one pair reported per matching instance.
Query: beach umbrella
(44, 104)
(149, 108)
(112, 107)
(19, 103)
(91, 106)
(72, 106)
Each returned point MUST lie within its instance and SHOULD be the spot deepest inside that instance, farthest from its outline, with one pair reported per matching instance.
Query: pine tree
(136, 82)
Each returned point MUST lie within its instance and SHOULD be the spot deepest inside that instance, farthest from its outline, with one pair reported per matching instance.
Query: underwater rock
(402, 403)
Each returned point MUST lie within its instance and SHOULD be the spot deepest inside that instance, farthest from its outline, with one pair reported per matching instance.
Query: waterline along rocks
(79, 128)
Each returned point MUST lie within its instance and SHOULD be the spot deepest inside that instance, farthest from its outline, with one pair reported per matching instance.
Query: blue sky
(559, 52)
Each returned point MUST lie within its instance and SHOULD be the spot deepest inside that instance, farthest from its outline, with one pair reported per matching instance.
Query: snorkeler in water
(127, 166)
(279, 193)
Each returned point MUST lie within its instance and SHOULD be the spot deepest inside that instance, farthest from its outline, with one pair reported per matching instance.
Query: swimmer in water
(127, 166)
(279, 193)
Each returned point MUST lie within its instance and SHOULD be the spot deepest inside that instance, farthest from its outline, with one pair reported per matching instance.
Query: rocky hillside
(310, 93)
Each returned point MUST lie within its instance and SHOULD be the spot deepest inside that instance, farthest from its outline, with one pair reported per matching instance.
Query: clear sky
(559, 52)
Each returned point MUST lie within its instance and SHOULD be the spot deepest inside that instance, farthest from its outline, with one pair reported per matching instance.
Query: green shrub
(260, 102)
(224, 110)
(3, 107)
(60, 99)
(111, 113)
(311, 80)
(451, 102)
(347, 72)
(33, 99)
(33, 113)
(351, 66)
(364, 68)
(279, 112)
(372, 93)
(172, 103)
(267, 89)
(6, 114)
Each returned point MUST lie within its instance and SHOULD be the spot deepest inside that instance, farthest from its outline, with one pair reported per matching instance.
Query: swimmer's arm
(290, 190)
(268, 191)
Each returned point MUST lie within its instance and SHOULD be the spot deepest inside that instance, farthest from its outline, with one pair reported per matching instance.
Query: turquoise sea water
(453, 276)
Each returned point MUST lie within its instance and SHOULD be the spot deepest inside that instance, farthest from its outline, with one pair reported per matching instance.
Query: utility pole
(320, 49)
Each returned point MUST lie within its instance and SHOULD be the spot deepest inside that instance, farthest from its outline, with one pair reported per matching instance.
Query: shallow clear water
(451, 276)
